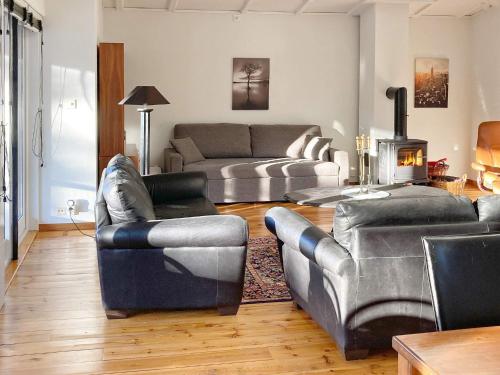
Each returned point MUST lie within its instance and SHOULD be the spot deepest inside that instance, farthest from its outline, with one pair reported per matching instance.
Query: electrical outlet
(71, 104)
(61, 211)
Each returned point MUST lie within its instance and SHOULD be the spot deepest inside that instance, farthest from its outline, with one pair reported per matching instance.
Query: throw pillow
(316, 148)
(127, 198)
(188, 150)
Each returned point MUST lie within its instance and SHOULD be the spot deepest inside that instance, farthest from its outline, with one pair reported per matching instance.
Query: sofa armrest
(169, 187)
(300, 234)
(173, 160)
(201, 231)
(342, 159)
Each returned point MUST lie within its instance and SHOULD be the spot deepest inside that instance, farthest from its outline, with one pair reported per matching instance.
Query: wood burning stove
(401, 159)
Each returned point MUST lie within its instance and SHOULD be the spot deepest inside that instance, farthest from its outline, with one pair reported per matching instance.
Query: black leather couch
(367, 281)
(162, 245)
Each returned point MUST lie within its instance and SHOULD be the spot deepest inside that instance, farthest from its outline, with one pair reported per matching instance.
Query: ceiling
(452, 8)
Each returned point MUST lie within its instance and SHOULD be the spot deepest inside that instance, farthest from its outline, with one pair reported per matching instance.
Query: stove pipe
(399, 95)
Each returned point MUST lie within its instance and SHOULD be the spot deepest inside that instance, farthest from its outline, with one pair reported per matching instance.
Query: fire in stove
(410, 158)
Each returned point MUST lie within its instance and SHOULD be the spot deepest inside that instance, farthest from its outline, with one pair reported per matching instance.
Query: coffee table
(463, 351)
(329, 197)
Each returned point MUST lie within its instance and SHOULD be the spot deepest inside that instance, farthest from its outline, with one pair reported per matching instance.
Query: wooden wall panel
(110, 92)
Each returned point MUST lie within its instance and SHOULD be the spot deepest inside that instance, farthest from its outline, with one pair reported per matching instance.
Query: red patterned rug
(264, 278)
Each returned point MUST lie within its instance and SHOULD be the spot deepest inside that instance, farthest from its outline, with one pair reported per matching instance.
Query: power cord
(70, 210)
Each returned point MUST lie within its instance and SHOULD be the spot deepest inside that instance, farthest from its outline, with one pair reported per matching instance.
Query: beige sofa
(257, 163)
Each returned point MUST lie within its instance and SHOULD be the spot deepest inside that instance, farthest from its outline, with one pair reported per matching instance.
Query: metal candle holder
(363, 149)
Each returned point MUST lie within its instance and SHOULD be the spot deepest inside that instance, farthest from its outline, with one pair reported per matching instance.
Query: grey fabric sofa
(367, 281)
(255, 163)
(188, 257)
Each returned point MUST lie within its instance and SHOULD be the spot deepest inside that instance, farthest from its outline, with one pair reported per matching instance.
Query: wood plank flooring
(53, 323)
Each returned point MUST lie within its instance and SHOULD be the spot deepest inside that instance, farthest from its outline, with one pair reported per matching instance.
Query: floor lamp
(144, 96)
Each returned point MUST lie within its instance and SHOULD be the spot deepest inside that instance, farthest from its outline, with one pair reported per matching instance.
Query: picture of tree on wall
(250, 83)
(431, 83)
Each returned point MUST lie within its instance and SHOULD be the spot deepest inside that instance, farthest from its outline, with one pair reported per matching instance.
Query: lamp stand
(144, 151)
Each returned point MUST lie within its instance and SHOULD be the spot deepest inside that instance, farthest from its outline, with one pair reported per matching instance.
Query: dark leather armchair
(187, 257)
(464, 277)
(487, 162)
(367, 281)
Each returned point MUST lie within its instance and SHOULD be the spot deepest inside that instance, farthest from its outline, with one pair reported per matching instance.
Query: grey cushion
(188, 150)
(218, 140)
(217, 169)
(316, 148)
(126, 196)
(488, 208)
(280, 140)
(185, 208)
(399, 211)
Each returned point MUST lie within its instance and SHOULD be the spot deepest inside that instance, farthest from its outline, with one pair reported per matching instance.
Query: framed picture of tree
(251, 83)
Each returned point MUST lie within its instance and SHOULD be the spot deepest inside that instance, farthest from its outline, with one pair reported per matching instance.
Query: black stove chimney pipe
(399, 95)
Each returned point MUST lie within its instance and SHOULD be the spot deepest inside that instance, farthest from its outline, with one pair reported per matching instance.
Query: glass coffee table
(329, 197)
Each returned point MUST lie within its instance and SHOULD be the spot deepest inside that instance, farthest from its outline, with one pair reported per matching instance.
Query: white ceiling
(453, 8)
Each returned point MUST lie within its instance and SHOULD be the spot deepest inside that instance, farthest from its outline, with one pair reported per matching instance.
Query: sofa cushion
(399, 211)
(187, 149)
(219, 169)
(126, 196)
(279, 141)
(488, 208)
(218, 140)
(316, 148)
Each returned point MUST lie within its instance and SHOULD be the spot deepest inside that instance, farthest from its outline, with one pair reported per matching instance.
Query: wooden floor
(53, 323)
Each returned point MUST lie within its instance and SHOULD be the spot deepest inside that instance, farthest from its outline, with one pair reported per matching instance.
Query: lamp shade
(144, 95)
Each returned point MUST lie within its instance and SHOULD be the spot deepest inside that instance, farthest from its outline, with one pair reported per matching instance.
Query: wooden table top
(468, 351)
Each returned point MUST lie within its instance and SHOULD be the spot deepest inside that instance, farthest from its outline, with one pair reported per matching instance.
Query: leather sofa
(181, 256)
(367, 281)
(256, 163)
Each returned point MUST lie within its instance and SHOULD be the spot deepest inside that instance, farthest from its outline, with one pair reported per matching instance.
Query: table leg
(405, 367)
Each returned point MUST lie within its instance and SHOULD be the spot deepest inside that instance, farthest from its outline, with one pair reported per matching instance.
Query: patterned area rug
(264, 278)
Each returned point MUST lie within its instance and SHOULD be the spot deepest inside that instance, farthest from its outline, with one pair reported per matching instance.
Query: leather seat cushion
(185, 208)
(127, 198)
(219, 169)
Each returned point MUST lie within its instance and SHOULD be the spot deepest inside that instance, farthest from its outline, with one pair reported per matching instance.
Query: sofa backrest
(404, 241)
(280, 140)
(218, 140)
(488, 208)
(100, 209)
(126, 196)
(399, 211)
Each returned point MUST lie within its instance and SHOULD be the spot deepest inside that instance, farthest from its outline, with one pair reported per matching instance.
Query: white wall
(188, 57)
(70, 134)
(447, 130)
(383, 63)
(486, 70)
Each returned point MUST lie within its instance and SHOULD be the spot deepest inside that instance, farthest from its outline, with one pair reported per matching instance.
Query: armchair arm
(342, 159)
(300, 234)
(478, 167)
(202, 231)
(173, 160)
(174, 186)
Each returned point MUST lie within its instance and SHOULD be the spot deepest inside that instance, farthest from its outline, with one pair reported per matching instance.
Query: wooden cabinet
(111, 120)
